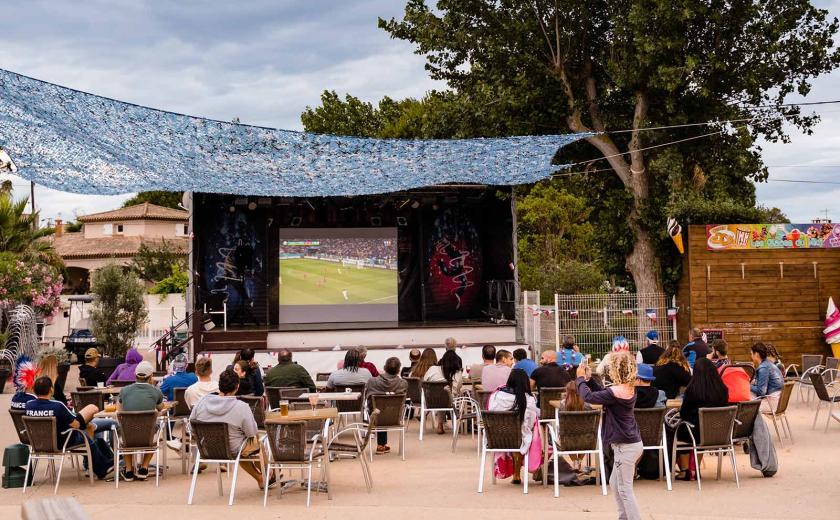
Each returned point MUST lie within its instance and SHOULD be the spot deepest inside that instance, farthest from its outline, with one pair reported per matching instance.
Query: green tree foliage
(20, 235)
(153, 262)
(118, 310)
(167, 199)
(175, 283)
(550, 66)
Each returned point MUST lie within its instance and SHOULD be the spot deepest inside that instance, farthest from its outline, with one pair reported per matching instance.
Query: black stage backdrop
(451, 242)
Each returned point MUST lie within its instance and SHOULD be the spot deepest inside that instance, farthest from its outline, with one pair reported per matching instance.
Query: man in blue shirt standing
(68, 424)
(520, 355)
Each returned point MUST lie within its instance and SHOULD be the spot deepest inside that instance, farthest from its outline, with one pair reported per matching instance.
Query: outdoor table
(109, 390)
(670, 403)
(320, 385)
(673, 403)
(333, 396)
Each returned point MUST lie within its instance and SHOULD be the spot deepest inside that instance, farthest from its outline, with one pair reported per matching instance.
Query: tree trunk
(642, 262)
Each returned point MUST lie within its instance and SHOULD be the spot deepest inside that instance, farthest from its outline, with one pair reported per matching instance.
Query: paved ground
(434, 483)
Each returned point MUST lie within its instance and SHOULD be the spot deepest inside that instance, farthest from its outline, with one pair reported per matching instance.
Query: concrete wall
(136, 228)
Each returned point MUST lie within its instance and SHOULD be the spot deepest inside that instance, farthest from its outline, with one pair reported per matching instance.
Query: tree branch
(637, 162)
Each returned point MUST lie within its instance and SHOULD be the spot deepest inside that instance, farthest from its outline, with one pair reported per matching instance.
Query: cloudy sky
(264, 61)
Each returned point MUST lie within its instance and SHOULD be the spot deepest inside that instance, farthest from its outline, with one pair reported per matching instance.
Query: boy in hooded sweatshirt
(242, 428)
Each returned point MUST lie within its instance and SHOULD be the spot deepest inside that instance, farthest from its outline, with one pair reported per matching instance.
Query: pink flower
(27, 280)
(48, 279)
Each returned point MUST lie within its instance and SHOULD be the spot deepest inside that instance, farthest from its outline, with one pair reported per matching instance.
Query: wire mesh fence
(595, 319)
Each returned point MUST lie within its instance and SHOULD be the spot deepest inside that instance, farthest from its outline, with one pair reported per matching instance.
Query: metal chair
(292, 393)
(823, 396)
(779, 415)
(17, 420)
(349, 408)
(313, 426)
(287, 448)
(391, 417)
(502, 434)
(255, 403)
(651, 423)
(716, 428)
(577, 433)
(137, 435)
(467, 414)
(82, 399)
(213, 446)
(361, 437)
(43, 445)
(810, 363)
(120, 384)
(435, 397)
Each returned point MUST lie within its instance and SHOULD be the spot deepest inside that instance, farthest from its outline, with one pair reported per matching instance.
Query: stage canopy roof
(79, 142)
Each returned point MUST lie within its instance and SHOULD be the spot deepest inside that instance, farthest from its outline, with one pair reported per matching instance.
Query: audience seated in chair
(388, 381)
(288, 374)
(141, 396)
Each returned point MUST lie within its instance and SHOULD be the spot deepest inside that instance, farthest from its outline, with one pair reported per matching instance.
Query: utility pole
(32, 201)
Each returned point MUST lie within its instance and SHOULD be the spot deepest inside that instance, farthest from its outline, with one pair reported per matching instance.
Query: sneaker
(127, 476)
(109, 473)
(142, 473)
(174, 444)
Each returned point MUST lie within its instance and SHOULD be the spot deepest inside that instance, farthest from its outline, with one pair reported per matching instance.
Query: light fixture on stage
(232, 209)
(402, 221)
(252, 205)
(296, 221)
(415, 204)
(375, 221)
(240, 201)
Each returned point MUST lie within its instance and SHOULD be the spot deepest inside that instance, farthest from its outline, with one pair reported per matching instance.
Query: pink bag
(535, 458)
(503, 466)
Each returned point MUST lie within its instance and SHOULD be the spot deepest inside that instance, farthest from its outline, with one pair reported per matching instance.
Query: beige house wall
(136, 228)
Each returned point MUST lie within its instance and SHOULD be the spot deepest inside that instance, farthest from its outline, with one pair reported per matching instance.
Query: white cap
(144, 369)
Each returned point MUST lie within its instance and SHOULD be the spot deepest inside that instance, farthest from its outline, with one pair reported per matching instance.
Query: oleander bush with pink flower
(31, 283)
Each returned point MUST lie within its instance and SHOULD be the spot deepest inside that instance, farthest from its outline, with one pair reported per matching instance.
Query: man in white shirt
(205, 385)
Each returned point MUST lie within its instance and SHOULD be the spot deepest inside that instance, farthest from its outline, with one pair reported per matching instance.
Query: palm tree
(20, 235)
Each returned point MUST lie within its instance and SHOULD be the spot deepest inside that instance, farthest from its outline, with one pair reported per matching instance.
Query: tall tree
(608, 66)
(167, 199)
(20, 234)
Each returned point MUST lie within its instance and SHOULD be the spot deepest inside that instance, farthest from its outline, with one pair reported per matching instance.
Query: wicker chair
(137, 435)
(502, 434)
(43, 445)
(414, 393)
(361, 437)
(745, 421)
(548, 415)
(82, 399)
(85, 388)
(749, 368)
(823, 395)
(322, 376)
(17, 421)
(213, 446)
(255, 402)
(577, 433)
(716, 429)
(180, 415)
(483, 398)
(287, 448)
(120, 384)
(391, 417)
(468, 414)
(275, 394)
(313, 426)
(292, 393)
(435, 397)
(778, 415)
(651, 423)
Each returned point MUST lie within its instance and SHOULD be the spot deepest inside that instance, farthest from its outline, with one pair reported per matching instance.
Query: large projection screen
(338, 275)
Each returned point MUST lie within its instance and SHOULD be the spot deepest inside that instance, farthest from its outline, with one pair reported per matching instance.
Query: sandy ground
(435, 483)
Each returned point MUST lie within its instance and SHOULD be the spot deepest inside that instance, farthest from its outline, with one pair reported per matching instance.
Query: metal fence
(594, 319)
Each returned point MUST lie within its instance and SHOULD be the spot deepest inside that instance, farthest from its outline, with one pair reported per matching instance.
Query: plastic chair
(577, 433)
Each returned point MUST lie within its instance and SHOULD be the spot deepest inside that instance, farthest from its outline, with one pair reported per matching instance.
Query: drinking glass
(284, 407)
(313, 400)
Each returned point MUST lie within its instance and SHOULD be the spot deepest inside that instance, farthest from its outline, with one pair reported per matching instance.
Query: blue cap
(645, 372)
(652, 335)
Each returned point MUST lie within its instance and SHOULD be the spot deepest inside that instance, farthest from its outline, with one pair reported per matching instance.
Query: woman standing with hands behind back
(619, 430)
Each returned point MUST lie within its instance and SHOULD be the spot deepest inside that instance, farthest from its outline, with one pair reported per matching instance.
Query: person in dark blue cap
(646, 395)
(650, 354)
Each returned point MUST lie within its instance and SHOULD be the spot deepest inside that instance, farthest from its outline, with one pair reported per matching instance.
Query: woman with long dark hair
(671, 371)
(516, 396)
(254, 373)
(448, 371)
(706, 390)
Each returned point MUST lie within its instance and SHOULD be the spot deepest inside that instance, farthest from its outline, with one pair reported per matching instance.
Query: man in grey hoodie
(242, 428)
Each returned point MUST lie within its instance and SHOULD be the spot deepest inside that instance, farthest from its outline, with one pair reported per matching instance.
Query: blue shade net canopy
(79, 142)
